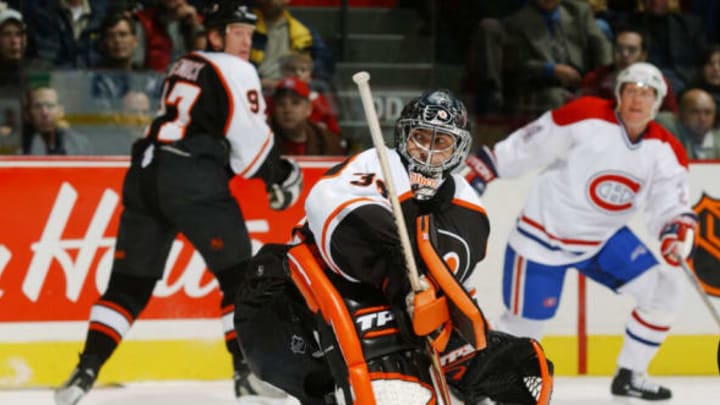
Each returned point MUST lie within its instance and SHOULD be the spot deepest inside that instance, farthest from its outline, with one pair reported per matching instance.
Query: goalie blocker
(340, 342)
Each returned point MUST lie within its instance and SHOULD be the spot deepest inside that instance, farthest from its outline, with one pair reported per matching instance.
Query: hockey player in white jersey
(601, 163)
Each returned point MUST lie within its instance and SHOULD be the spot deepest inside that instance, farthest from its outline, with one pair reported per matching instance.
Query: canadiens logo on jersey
(706, 261)
(613, 191)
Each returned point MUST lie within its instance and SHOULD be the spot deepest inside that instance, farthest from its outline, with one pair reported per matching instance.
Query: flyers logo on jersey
(706, 262)
(612, 191)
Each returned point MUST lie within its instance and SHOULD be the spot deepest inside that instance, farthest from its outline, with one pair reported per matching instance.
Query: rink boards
(58, 221)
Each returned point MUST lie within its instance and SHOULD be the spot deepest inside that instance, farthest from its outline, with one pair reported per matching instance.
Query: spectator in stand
(709, 12)
(630, 47)
(300, 65)
(10, 128)
(694, 125)
(136, 112)
(13, 46)
(65, 32)
(114, 76)
(676, 40)
(709, 79)
(600, 11)
(118, 40)
(278, 33)
(550, 45)
(48, 133)
(290, 120)
(168, 31)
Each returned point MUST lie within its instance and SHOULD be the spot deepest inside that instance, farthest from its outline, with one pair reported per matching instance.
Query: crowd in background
(120, 49)
(522, 57)
(531, 56)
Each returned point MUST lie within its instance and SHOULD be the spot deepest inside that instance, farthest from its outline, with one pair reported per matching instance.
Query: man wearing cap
(290, 120)
(13, 43)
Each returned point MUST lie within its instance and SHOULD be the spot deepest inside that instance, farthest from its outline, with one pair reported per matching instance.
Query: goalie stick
(362, 80)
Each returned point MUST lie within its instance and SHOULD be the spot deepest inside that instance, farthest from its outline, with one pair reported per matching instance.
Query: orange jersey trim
(106, 330)
(469, 205)
(330, 218)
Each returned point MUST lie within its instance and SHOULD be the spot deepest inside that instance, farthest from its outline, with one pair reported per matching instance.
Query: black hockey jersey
(215, 94)
(351, 221)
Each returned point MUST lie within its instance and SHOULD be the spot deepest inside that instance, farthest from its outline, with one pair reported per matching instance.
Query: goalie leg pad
(510, 369)
(274, 327)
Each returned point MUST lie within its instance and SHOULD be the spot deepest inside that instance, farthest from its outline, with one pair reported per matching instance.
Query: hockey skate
(79, 383)
(631, 384)
(249, 389)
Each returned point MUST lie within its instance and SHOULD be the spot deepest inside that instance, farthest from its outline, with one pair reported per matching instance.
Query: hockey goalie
(332, 318)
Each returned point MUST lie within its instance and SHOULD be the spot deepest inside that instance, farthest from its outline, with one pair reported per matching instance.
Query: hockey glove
(480, 169)
(677, 238)
(284, 195)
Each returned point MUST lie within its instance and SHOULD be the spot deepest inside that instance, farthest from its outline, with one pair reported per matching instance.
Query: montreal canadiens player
(601, 162)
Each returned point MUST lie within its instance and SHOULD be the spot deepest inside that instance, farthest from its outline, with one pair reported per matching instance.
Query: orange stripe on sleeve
(105, 330)
(468, 205)
(117, 308)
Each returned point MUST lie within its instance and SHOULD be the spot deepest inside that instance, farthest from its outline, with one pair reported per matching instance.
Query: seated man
(694, 125)
(290, 120)
(337, 310)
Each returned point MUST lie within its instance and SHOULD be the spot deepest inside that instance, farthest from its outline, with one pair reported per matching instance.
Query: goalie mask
(432, 136)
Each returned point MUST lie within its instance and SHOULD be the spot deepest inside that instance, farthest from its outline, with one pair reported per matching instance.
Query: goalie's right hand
(284, 195)
(480, 169)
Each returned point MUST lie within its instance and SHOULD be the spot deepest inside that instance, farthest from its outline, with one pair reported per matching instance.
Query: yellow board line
(42, 364)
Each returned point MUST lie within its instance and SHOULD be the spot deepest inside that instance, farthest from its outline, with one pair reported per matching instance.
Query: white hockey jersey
(594, 180)
(350, 236)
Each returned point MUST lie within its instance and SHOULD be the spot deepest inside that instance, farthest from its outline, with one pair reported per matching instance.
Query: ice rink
(568, 391)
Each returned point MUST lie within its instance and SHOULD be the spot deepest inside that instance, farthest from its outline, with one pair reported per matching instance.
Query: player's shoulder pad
(465, 196)
(657, 132)
(585, 108)
(228, 64)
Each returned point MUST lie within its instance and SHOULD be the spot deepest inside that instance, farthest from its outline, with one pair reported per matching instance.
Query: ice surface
(568, 391)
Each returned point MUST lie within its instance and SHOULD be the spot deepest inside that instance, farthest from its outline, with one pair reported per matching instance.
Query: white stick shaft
(362, 79)
(700, 290)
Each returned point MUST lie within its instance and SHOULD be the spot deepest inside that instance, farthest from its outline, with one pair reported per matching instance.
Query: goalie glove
(677, 238)
(284, 195)
(480, 169)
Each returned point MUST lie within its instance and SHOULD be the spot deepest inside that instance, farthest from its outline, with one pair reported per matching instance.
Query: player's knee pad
(517, 325)
(276, 330)
(510, 370)
(130, 292)
(658, 294)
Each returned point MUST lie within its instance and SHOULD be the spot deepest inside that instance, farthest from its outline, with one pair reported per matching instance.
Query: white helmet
(645, 74)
